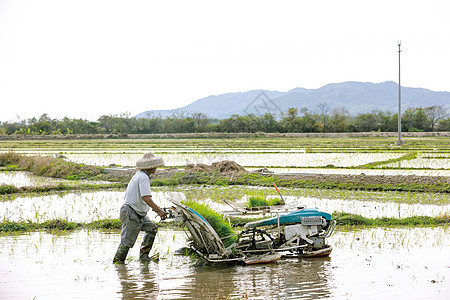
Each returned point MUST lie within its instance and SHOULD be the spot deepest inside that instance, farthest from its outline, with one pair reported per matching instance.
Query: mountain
(356, 97)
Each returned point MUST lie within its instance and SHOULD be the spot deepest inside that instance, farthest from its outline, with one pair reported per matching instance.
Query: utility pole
(399, 141)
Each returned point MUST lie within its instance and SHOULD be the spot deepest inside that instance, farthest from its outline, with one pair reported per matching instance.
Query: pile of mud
(225, 166)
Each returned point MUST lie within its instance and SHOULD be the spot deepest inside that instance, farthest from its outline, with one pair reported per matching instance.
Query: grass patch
(8, 226)
(106, 224)
(58, 224)
(8, 189)
(221, 226)
(347, 219)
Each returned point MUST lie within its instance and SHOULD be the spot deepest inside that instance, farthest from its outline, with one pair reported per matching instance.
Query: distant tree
(291, 121)
(44, 125)
(323, 112)
(444, 124)
(373, 121)
(268, 123)
(77, 126)
(388, 121)
(366, 122)
(201, 121)
(415, 119)
(435, 113)
(339, 120)
(11, 128)
(309, 121)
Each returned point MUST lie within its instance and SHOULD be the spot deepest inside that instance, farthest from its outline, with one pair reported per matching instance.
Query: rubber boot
(121, 254)
(146, 246)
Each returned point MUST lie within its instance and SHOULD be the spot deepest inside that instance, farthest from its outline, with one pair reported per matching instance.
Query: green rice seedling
(255, 201)
(221, 226)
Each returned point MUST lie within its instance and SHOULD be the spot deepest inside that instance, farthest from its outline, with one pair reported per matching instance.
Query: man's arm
(148, 199)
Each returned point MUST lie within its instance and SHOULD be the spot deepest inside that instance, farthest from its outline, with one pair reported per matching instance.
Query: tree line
(433, 118)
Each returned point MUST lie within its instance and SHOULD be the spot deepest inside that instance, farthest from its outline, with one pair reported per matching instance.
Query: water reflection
(189, 278)
(290, 279)
(310, 278)
(138, 283)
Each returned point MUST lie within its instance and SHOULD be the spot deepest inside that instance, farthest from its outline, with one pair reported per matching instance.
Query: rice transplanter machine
(301, 233)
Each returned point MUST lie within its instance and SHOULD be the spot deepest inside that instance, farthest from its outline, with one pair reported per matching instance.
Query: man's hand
(162, 214)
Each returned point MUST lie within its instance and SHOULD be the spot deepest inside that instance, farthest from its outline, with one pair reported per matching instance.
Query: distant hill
(356, 97)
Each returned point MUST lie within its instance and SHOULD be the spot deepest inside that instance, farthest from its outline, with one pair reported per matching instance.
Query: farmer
(133, 213)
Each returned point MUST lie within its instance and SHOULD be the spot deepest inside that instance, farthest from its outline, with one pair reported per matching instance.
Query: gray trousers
(132, 224)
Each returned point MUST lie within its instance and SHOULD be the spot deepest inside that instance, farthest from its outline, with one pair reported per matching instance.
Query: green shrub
(348, 219)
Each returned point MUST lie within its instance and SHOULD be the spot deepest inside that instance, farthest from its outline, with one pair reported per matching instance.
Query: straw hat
(149, 161)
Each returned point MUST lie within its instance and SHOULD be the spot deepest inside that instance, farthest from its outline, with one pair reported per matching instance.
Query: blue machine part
(294, 217)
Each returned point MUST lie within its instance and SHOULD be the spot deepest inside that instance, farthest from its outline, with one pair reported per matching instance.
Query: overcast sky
(87, 58)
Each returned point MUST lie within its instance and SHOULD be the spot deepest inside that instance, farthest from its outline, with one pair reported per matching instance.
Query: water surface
(22, 179)
(367, 264)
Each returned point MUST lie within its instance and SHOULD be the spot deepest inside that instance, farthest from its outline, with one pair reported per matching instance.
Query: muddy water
(402, 263)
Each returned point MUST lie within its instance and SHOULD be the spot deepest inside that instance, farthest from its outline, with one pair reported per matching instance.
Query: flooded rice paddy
(377, 263)
(22, 179)
(208, 156)
(278, 160)
(371, 263)
(248, 160)
(425, 160)
(97, 205)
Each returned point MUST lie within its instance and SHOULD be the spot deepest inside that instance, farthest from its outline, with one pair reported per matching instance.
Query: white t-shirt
(138, 186)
